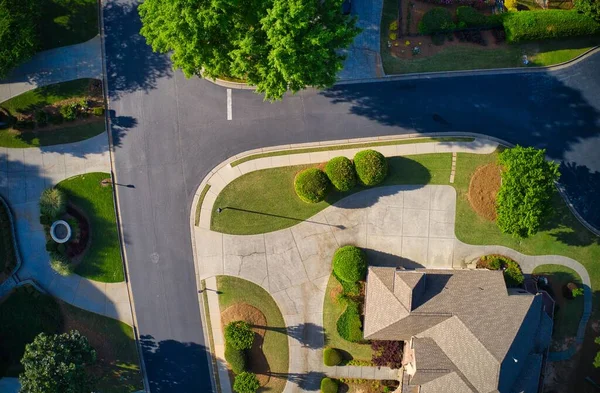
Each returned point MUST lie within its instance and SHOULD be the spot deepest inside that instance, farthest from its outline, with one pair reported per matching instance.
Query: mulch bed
(483, 189)
(257, 362)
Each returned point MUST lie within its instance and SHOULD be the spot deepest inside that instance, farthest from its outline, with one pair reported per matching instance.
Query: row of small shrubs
(331, 357)
(543, 24)
(369, 168)
(239, 338)
(68, 112)
(439, 20)
(513, 276)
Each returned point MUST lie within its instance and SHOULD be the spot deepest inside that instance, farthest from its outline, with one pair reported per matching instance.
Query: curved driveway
(169, 132)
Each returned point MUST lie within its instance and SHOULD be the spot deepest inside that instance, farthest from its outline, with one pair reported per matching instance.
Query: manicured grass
(551, 52)
(265, 200)
(8, 257)
(102, 261)
(26, 313)
(567, 313)
(275, 346)
(350, 146)
(46, 95)
(199, 205)
(68, 22)
(332, 309)
(67, 134)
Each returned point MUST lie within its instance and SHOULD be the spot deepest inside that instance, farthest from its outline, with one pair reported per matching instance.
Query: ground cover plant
(235, 291)
(54, 114)
(94, 198)
(387, 353)
(27, 313)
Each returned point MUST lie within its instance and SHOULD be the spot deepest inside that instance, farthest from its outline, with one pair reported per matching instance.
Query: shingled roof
(468, 330)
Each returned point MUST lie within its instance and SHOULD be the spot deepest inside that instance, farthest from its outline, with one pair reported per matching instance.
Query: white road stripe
(229, 115)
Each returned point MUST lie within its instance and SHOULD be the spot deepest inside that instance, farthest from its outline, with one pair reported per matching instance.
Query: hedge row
(543, 24)
(331, 357)
(349, 325)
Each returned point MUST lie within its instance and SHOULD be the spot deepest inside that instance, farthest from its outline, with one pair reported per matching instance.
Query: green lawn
(35, 99)
(542, 53)
(68, 22)
(102, 261)
(332, 309)
(275, 346)
(567, 313)
(26, 313)
(8, 258)
(265, 200)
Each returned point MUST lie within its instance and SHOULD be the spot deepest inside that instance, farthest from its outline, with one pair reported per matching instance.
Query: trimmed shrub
(341, 173)
(246, 383)
(513, 276)
(349, 325)
(41, 118)
(75, 229)
(311, 185)
(436, 20)
(331, 357)
(350, 264)
(98, 111)
(60, 264)
(239, 335)
(371, 167)
(589, 7)
(494, 264)
(470, 16)
(53, 203)
(235, 358)
(543, 24)
(329, 385)
(69, 112)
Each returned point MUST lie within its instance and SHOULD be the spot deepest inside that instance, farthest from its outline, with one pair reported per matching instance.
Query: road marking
(229, 115)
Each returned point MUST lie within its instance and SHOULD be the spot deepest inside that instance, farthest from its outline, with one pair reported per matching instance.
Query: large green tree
(275, 45)
(523, 201)
(18, 32)
(57, 364)
(589, 7)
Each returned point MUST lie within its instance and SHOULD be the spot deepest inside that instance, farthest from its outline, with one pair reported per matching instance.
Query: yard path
(53, 66)
(24, 174)
(410, 226)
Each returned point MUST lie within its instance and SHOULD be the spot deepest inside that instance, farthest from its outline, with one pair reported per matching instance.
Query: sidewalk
(24, 174)
(53, 66)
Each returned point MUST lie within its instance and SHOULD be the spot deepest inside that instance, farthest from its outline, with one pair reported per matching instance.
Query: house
(464, 331)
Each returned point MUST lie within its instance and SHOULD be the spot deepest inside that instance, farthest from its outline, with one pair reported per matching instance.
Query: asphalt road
(170, 131)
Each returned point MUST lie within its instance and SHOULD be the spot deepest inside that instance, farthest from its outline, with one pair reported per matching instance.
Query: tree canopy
(275, 45)
(589, 7)
(57, 364)
(523, 201)
(18, 32)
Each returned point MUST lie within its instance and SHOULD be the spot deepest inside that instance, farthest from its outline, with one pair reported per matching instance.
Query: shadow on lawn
(309, 335)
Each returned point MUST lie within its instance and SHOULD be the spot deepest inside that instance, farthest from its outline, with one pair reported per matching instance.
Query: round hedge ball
(329, 385)
(340, 171)
(311, 185)
(331, 357)
(350, 264)
(371, 167)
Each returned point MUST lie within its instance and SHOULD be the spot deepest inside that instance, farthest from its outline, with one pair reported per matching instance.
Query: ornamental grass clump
(53, 203)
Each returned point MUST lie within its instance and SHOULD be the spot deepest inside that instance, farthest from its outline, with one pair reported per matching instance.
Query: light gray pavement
(52, 66)
(363, 60)
(24, 174)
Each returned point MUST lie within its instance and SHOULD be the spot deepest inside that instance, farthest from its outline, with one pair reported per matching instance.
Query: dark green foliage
(513, 274)
(523, 201)
(597, 358)
(18, 35)
(371, 167)
(246, 383)
(239, 335)
(98, 111)
(470, 16)
(276, 45)
(350, 264)
(235, 358)
(41, 118)
(387, 353)
(436, 20)
(331, 357)
(590, 8)
(494, 264)
(329, 385)
(543, 24)
(69, 112)
(57, 364)
(8, 258)
(349, 325)
(311, 185)
(340, 171)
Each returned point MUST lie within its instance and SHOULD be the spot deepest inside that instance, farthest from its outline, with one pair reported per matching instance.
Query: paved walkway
(52, 66)
(363, 60)
(410, 226)
(24, 174)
